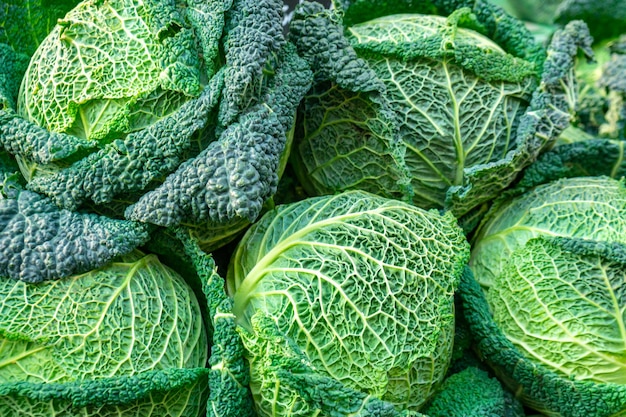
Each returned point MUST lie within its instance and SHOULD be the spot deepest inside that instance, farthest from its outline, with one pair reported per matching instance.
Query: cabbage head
(552, 262)
(353, 292)
(125, 339)
(163, 112)
(431, 102)
(588, 208)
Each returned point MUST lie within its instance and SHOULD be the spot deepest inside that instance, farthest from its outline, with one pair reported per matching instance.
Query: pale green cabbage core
(108, 69)
(132, 316)
(555, 288)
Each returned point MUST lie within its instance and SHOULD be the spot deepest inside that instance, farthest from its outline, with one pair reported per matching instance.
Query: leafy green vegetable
(552, 260)
(362, 286)
(531, 10)
(430, 102)
(472, 392)
(184, 103)
(585, 208)
(13, 68)
(229, 376)
(537, 386)
(154, 393)
(282, 360)
(227, 178)
(41, 241)
(589, 157)
(149, 52)
(126, 337)
(568, 298)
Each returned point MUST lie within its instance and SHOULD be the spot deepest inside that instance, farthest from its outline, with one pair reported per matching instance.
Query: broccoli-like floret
(472, 392)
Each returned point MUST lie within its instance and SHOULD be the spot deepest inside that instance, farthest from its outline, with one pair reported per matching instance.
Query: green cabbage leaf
(363, 286)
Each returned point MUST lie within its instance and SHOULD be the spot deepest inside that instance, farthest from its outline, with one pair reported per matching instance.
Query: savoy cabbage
(133, 327)
(438, 103)
(166, 113)
(360, 289)
(551, 259)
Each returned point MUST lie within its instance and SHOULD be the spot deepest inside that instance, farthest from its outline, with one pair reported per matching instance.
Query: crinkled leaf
(24, 138)
(39, 241)
(104, 63)
(549, 114)
(131, 164)
(605, 19)
(348, 279)
(318, 34)
(562, 303)
(236, 174)
(278, 361)
(538, 387)
(13, 68)
(229, 377)
(587, 158)
(439, 141)
(134, 315)
(253, 34)
(473, 392)
(583, 207)
(178, 392)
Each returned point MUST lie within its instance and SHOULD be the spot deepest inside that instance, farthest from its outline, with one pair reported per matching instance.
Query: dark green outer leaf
(540, 388)
(229, 377)
(21, 137)
(131, 164)
(11, 72)
(588, 158)
(25, 23)
(236, 174)
(606, 19)
(149, 394)
(39, 241)
(253, 34)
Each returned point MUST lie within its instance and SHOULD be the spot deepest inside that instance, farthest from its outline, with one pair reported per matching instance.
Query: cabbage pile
(241, 208)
